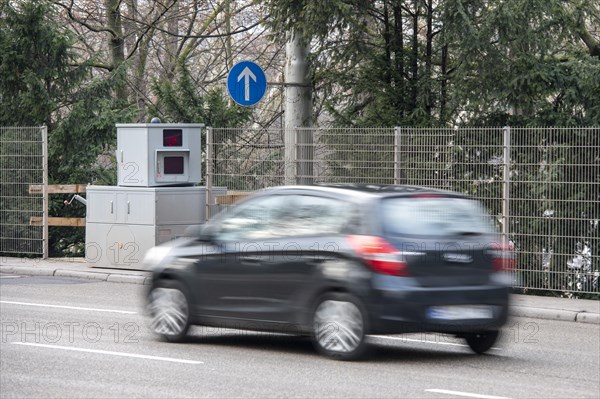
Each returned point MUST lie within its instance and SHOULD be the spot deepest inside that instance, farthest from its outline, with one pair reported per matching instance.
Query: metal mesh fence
(555, 208)
(425, 157)
(465, 160)
(359, 155)
(242, 160)
(542, 185)
(22, 164)
(246, 159)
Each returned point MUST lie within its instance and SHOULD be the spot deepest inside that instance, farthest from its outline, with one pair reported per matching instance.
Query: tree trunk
(139, 62)
(444, 85)
(415, 57)
(116, 45)
(399, 56)
(388, 44)
(428, 55)
(298, 106)
(172, 40)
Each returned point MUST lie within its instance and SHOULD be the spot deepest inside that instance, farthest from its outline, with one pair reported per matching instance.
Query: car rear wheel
(483, 341)
(169, 311)
(339, 327)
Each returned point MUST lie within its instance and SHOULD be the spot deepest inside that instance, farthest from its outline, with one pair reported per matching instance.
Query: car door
(271, 252)
(233, 283)
(307, 243)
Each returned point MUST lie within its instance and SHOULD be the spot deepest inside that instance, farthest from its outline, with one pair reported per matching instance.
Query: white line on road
(102, 352)
(69, 307)
(464, 394)
(422, 341)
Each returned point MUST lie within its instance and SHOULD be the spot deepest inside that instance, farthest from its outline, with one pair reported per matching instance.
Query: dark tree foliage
(37, 76)
(456, 62)
(41, 83)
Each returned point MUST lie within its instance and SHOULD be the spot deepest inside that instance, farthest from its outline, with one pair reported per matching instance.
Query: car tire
(339, 326)
(483, 341)
(169, 310)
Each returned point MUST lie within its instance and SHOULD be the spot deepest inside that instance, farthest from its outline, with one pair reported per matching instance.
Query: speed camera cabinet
(122, 223)
(155, 199)
(159, 154)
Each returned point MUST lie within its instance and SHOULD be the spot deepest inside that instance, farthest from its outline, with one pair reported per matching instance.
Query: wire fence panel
(426, 157)
(465, 160)
(555, 208)
(477, 166)
(340, 155)
(243, 159)
(22, 163)
(247, 159)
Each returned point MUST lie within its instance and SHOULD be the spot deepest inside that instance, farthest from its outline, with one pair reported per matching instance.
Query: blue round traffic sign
(246, 83)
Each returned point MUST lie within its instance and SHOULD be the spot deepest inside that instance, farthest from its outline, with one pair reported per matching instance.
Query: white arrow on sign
(247, 75)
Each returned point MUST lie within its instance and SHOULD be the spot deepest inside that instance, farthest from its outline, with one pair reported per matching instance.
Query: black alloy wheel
(339, 326)
(169, 310)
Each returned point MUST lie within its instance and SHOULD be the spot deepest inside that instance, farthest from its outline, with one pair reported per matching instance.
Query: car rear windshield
(436, 216)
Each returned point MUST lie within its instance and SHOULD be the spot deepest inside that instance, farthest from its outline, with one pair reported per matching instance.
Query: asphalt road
(64, 337)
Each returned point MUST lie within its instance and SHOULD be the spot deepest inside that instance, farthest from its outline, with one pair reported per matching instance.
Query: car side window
(286, 216)
(313, 215)
(252, 220)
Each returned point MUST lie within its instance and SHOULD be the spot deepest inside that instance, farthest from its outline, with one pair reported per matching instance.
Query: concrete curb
(586, 317)
(78, 274)
(29, 270)
(137, 278)
(542, 313)
(126, 278)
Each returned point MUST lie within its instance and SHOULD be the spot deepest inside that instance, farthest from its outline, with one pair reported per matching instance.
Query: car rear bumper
(402, 306)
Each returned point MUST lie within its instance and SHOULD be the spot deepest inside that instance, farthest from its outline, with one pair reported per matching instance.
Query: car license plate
(460, 312)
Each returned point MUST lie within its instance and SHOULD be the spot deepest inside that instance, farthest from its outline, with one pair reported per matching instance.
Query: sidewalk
(70, 267)
(539, 307)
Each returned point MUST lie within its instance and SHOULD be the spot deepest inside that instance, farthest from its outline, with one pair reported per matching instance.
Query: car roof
(368, 190)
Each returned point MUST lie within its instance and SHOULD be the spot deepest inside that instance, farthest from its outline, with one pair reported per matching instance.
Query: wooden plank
(56, 221)
(58, 188)
(230, 199)
(239, 192)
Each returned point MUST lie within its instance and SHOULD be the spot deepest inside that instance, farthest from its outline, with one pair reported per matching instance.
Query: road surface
(66, 337)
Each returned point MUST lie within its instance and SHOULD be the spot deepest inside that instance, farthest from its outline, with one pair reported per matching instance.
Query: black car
(336, 263)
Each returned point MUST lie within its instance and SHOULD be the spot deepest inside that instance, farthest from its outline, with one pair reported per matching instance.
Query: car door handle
(318, 259)
(251, 260)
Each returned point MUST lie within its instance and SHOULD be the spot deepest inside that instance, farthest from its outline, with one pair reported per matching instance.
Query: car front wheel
(483, 341)
(339, 327)
(169, 310)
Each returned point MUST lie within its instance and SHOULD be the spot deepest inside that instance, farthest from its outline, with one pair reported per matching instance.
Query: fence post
(44, 133)
(209, 171)
(304, 155)
(506, 186)
(397, 160)
(289, 156)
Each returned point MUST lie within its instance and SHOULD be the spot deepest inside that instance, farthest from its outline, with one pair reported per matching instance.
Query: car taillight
(379, 254)
(503, 257)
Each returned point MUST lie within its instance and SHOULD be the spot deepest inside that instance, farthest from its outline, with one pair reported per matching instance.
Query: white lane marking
(102, 352)
(69, 307)
(422, 341)
(465, 394)
(1, 277)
